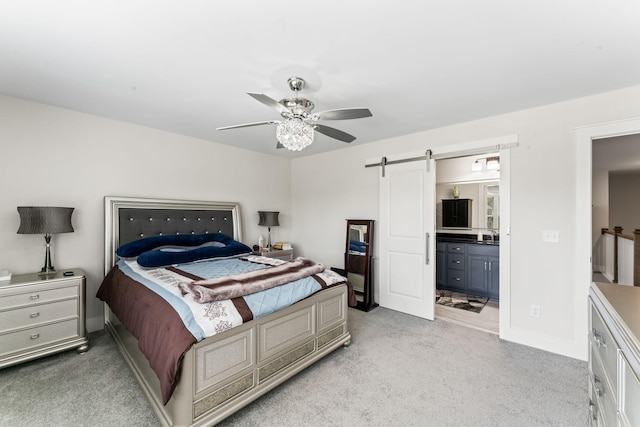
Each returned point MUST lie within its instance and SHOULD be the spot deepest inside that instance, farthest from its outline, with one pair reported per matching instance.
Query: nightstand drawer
(35, 296)
(284, 254)
(38, 314)
(37, 336)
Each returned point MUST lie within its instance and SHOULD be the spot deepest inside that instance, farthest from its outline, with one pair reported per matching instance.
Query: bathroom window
(492, 207)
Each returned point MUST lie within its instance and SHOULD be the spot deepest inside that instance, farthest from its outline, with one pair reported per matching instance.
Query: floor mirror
(358, 261)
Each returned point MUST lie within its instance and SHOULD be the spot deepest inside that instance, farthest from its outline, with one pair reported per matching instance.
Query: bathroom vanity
(468, 265)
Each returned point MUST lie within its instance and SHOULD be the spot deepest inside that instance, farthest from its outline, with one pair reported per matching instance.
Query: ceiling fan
(296, 131)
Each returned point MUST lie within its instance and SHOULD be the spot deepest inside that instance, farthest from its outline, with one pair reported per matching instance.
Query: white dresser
(41, 315)
(614, 355)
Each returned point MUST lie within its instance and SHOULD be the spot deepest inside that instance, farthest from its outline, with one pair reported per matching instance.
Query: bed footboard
(223, 373)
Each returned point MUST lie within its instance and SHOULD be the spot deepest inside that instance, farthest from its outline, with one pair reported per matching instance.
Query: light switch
(551, 236)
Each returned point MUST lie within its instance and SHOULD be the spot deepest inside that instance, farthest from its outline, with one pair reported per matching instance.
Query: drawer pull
(35, 336)
(34, 314)
(34, 297)
(597, 338)
(457, 279)
(593, 411)
(597, 386)
(456, 262)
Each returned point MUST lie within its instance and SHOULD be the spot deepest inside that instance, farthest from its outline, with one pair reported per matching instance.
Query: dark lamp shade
(268, 219)
(44, 220)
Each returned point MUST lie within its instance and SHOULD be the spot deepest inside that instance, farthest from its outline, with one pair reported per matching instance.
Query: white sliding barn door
(407, 238)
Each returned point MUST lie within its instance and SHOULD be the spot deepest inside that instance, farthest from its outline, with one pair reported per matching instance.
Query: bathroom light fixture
(486, 163)
(295, 134)
(493, 163)
(45, 220)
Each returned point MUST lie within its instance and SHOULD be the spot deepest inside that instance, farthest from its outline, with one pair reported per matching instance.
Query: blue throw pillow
(160, 251)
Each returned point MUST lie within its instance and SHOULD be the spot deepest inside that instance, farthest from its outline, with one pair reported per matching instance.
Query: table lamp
(45, 220)
(268, 219)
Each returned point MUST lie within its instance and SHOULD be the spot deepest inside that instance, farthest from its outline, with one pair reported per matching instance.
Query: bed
(220, 374)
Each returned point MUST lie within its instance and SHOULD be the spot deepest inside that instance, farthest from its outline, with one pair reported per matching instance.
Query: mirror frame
(366, 301)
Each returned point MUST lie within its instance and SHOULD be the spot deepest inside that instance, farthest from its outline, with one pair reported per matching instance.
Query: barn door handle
(427, 248)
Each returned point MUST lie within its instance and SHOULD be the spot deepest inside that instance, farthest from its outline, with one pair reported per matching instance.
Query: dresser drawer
(38, 314)
(602, 392)
(456, 261)
(630, 397)
(35, 295)
(37, 336)
(605, 346)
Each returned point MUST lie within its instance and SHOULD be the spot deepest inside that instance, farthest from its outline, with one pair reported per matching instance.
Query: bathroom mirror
(358, 261)
(485, 197)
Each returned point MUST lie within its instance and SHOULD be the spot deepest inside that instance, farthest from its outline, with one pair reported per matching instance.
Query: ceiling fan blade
(269, 102)
(246, 125)
(334, 133)
(344, 114)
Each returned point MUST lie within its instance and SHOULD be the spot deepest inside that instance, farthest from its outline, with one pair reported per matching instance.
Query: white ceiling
(185, 66)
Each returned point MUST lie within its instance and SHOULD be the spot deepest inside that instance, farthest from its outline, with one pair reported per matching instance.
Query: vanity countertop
(466, 238)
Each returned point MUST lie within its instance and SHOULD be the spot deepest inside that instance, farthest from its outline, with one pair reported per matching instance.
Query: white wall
(624, 200)
(599, 215)
(329, 187)
(52, 156)
(456, 172)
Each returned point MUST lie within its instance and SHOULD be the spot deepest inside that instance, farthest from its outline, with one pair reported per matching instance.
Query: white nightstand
(285, 254)
(41, 315)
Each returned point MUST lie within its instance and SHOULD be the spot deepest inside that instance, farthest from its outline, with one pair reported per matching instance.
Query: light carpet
(400, 370)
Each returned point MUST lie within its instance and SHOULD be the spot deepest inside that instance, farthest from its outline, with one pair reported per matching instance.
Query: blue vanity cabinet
(493, 279)
(483, 270)
(441, 264)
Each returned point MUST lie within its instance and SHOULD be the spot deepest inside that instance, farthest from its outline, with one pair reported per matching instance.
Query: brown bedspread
(161, 334)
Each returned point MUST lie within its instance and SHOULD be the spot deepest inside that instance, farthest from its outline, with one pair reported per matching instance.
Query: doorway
(400, 282)
(467, 271)
(615, 171)
(584, 137)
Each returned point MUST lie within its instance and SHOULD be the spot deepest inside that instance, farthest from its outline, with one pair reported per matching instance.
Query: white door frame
(503, 145)
(585, 136)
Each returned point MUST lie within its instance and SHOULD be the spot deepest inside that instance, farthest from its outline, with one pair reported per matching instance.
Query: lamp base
(48, 269)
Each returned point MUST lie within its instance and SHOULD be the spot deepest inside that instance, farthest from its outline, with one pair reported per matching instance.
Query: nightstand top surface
(19, 279)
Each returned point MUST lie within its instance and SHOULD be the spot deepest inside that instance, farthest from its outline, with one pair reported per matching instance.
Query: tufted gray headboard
(128, 219)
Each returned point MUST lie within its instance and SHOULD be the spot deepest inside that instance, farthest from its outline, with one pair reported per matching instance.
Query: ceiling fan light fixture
(294, 134)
